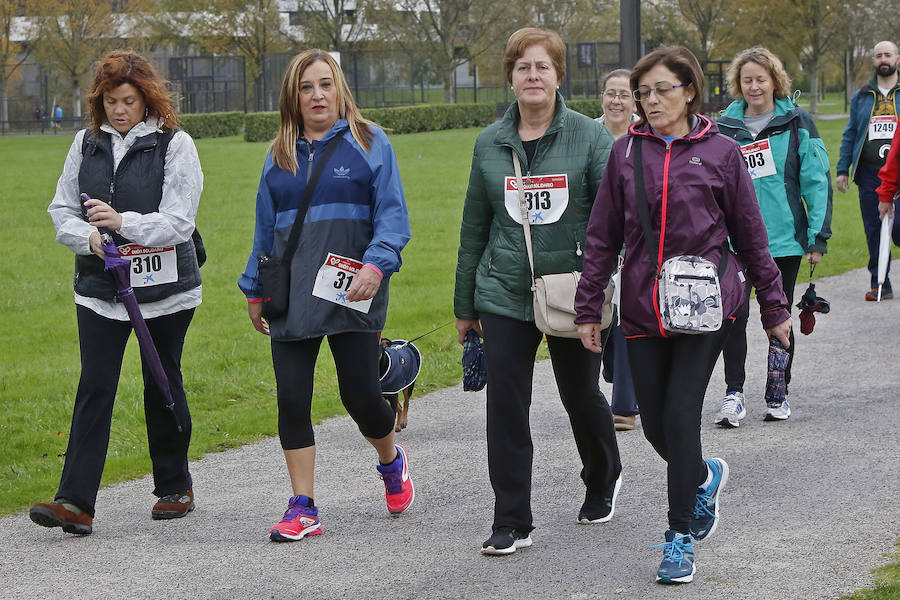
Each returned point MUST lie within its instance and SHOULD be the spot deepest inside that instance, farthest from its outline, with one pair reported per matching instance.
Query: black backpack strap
(643, 206)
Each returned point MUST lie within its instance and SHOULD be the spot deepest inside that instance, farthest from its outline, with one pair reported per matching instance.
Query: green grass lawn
(227, 366)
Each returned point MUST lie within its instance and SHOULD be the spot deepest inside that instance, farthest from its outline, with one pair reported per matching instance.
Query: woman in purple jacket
(699, 196)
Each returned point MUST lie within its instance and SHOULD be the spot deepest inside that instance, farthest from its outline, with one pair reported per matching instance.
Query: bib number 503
(754, 160)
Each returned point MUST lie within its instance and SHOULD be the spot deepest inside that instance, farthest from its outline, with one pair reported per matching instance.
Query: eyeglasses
(610, 94)
(661, 89)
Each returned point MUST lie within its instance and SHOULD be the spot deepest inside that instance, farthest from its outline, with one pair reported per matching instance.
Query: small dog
(401, 410)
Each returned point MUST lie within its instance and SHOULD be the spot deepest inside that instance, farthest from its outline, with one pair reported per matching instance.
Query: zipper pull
(577, 248)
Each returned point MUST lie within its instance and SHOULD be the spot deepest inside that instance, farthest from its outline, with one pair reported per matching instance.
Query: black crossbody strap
(303, 206)
(643, 207)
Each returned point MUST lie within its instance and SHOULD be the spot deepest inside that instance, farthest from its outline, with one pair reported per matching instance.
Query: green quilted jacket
(492, 273)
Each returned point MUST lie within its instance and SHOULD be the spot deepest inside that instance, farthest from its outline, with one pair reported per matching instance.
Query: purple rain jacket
(700, 193)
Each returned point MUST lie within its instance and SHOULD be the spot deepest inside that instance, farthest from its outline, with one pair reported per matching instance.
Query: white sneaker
(732, 410)
(777, 412)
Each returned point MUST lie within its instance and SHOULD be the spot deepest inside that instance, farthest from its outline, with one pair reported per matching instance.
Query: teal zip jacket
(796, 200)
(492, 273)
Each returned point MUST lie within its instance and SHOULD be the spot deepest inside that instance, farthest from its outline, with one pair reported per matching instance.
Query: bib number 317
(334, 279)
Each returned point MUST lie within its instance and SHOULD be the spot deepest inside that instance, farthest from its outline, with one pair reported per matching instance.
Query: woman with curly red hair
(144, 179)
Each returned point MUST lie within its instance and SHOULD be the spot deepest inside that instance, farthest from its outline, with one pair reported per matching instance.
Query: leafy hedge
(209, 125)
(591, 107)
(263, 126)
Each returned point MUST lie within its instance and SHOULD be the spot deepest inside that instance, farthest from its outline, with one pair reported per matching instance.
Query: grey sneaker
(732, 410)
(777, 412)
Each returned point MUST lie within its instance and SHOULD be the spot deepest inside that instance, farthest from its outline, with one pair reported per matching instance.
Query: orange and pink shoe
(398, 486)
(299, 521)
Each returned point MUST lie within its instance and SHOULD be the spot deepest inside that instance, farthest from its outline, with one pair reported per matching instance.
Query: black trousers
(356, 360)
(102, 342)
(510, 346)
(670, 378)
(734, 353)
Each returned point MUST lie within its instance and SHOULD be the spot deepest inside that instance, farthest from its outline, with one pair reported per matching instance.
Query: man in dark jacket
(864, 146)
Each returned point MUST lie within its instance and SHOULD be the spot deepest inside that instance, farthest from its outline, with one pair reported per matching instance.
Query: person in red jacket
(887, 191)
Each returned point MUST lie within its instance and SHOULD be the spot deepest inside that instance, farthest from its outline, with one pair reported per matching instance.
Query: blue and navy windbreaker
(357, 210)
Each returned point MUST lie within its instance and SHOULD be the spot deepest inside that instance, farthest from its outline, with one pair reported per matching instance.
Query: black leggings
(670, 378)
(510, 346)
(734, 353)
(356, 359)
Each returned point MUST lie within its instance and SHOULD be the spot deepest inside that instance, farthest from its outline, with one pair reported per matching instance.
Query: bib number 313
(333, 281)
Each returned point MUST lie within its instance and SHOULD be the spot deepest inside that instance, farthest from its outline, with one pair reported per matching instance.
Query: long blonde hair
(284, 147)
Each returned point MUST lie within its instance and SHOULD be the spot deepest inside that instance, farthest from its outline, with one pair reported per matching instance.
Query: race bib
(334, 279)
(546, 197)
(882, 127)
(759, 159)
(150, 266)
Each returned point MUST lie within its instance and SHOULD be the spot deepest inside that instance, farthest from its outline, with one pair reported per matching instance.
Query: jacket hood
(873, 83)
(736, 109)
(336, 129)
(702, 127)
(508, 133)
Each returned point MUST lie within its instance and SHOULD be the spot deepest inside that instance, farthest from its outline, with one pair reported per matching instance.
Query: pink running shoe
(398, 486)
(298, 522)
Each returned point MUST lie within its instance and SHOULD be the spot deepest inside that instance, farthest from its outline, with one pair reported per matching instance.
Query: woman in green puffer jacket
(789, 166)
(563, 155)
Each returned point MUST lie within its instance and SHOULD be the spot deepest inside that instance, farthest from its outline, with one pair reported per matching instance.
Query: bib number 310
(150, 266)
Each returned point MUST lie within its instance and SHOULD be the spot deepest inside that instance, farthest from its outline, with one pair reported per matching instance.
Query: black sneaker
(505, 540)
(600, 510)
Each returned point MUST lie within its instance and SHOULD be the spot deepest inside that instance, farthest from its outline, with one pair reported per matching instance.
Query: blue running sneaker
(677, 565)
(706, 510)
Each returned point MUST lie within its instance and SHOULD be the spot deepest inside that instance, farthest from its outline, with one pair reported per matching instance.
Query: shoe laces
(701, 507)
(675, 550)
(775, 405)
(294, 511)
(730, 404)
(392, 481)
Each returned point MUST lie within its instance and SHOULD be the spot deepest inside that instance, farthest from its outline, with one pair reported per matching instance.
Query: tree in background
(707, 27)
(445, 33)
(12, 53)
(578, 20)
(74, 34)
(332, 25)
(249, 29)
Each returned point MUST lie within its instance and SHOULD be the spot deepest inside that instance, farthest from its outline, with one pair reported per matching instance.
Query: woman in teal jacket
(789, 166)
(563, 155)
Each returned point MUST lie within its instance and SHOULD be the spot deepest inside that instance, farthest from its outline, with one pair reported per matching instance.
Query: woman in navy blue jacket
(353, 232)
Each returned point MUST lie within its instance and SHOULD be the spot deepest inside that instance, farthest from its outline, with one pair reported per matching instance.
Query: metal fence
(203, 84)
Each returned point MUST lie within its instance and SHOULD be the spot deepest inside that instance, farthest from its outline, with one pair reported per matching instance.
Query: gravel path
(811, 506)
